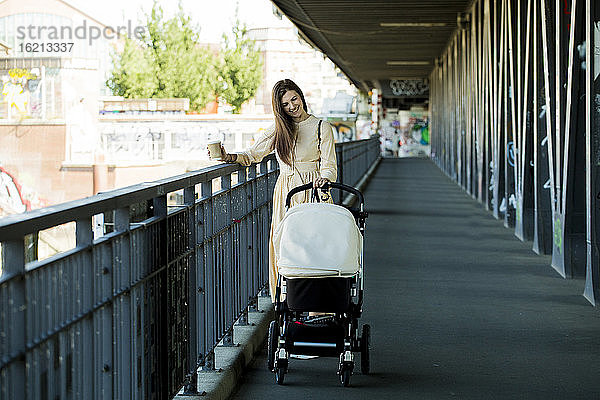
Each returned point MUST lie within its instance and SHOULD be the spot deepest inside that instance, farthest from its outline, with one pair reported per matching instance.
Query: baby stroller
(318, 247)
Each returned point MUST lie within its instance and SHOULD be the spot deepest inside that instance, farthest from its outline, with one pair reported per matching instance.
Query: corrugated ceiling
(351, 34)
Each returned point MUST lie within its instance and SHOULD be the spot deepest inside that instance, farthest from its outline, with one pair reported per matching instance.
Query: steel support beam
(542, 225)
(592, 150)
(519, 91)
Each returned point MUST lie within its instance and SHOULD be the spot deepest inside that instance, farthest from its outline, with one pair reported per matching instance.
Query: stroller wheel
(279, 375)
(272, 345)
(365, 349)
(345, 377)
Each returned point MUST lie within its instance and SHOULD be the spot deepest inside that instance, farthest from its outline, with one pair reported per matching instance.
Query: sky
(214, 17)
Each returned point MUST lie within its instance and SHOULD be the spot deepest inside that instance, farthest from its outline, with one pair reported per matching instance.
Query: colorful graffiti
(17, 88)
(11, 198)
(406, 138)
(409, 87)
(14, 96)
(558, 236)
(344, 131)
(16, 197)
(510, 153)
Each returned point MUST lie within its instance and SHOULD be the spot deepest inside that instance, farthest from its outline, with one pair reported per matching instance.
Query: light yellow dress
(309, 164)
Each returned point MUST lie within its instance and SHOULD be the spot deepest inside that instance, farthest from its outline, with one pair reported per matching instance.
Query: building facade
(51, 74)
(285, 55)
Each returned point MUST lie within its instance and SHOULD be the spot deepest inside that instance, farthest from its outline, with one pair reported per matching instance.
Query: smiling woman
(304, 147)
(293, 106)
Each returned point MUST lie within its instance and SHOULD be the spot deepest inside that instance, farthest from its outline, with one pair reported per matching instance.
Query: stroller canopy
(318, 240)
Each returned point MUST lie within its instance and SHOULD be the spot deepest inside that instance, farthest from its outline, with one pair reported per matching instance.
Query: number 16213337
(45, 47)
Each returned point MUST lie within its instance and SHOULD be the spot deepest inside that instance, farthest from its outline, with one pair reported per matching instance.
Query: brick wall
(33, 155)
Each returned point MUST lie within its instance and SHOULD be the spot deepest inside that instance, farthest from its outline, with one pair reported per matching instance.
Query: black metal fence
(354, 159)
(133, 313)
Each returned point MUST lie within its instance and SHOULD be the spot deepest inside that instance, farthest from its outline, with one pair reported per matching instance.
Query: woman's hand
(224, 154)
(320, 182)
(226, 157)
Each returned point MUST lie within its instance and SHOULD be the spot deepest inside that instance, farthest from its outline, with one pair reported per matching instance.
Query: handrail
(17, 225)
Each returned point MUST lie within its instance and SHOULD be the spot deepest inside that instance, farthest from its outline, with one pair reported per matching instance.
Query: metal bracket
(243, 320)
(209, 362)
(191, 385)
(228, 340)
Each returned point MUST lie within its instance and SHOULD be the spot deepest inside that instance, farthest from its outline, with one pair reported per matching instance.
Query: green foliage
(241, 70)
(168, 63)
(134, 73)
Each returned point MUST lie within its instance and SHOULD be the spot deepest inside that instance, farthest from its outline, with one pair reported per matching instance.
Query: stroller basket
(320, 295)
(315, 340)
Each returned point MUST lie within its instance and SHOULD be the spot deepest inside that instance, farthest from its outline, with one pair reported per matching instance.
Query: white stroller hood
(318, 240)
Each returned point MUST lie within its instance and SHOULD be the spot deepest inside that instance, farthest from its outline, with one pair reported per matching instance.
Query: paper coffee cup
(214, 148)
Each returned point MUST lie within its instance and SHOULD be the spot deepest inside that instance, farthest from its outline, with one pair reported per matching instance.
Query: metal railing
(132, 314)
(354, 159)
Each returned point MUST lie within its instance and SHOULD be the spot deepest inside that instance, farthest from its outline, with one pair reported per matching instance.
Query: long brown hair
(285, 129)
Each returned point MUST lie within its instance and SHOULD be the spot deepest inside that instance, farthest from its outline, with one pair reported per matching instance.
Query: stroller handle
(333, 185)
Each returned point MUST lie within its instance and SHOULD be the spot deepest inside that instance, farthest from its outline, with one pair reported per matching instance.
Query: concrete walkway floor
(458, 307)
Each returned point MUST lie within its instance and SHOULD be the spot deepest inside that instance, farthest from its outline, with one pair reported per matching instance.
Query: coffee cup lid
(214, 141)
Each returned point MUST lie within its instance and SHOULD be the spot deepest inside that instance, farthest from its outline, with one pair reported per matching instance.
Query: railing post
(243, 272)
(228, 299)
(83, 232)
(122, 305)
(84, 237)
(263, 239)
(191, 386)
(592, 128)
(339, 161)
(341, 167)
(206, 307)
(13, 262)
(251, 227)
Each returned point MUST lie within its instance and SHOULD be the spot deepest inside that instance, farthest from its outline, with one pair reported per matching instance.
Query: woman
(304, 147)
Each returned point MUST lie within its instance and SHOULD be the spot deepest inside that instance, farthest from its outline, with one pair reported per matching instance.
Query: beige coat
(309, 164)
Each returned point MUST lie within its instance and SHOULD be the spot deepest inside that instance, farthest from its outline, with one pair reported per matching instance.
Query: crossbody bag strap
(324, 195)
(319, 138)
(319, 144)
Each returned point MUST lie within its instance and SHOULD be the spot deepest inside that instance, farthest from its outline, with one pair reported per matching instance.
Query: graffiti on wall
(343, 131)
(186, 140)
(11, 198)
(409, 87)
(16, 197)
(510, 153)
(20, 88)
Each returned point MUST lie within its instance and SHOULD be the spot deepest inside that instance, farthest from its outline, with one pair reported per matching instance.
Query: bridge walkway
(459, 307)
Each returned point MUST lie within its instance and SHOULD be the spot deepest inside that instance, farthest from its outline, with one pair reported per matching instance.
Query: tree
(134, 72)
(168, 62)
(241, 70)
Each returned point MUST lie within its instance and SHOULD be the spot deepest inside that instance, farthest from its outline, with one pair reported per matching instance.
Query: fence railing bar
(17, 225)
